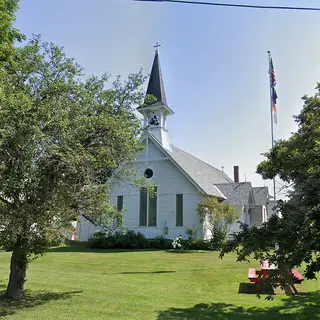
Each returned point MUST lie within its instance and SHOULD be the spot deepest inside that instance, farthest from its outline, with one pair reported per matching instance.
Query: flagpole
(271, 119)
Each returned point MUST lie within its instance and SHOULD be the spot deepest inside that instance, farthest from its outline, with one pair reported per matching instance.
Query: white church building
(181, 180)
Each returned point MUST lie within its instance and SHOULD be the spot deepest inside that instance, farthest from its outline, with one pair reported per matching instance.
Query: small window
(119, 203)
(179, 210)
(148, 173)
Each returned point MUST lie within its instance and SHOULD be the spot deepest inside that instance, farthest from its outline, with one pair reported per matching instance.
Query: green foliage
(297, 234)
(132, 240)
(58, 136)
(178, 243)
(197, 244)
(142, 182)
(8, 34)
(220, 236)
(191, 244)
(218, 217)
(216, 212)
(127, 240)
(61, 139)
(160, 242)
(149, 99)
(191, 233)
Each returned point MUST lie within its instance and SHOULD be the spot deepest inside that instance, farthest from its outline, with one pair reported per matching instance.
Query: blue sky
(214, 63)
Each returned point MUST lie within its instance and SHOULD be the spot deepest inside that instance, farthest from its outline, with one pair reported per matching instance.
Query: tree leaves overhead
(8, 34)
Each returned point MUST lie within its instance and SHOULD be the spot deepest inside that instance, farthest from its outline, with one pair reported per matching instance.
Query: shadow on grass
(76, 246)
(33, 299)
(165, 271)
(83, 247)
(147, 272)
(251, 288)
(299, 307)
(189, 251)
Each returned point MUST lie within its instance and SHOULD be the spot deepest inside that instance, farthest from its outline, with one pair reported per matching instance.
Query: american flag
(273, 80)
(274, 95)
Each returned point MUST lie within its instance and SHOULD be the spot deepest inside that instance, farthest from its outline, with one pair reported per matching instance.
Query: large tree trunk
(18, 268)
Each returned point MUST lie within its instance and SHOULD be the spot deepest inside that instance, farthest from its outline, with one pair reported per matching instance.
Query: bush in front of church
(136, 240)
(160, 243)
(127, 240)
(191, 244)
(199, 244)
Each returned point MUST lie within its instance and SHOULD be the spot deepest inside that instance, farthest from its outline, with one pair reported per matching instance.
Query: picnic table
(256, 276)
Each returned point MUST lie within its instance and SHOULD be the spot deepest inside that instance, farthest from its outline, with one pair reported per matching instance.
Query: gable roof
(212, 181)
(261, 195)
(201, 174)
(237, 193)
(205, 175)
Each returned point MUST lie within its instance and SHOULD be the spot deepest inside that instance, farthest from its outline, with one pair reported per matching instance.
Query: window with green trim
(179, 210)
(148, 208)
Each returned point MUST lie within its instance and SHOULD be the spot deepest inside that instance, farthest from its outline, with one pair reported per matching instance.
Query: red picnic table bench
(256, 276)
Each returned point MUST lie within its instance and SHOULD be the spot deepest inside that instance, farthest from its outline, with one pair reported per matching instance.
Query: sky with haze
(214, 63)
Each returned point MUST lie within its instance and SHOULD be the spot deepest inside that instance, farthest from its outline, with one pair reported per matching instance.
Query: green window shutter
(119, 203)
(179, 210)
(143, 207)
(152, 216)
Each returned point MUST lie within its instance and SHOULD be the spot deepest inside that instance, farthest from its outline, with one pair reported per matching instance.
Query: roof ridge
(238, 183)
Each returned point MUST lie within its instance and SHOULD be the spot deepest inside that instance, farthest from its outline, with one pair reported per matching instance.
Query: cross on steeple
(157, 46)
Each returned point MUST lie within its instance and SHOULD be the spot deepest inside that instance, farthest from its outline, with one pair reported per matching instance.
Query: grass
(77, 283)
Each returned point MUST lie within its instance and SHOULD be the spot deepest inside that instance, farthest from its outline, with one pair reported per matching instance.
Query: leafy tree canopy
(297, 233)
(8, 34)
(61, 138)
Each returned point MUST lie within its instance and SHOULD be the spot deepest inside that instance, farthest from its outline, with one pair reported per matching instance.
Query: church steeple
(155, 86)
(155, 112)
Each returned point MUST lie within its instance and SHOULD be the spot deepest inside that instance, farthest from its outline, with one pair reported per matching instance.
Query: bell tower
(155, 108)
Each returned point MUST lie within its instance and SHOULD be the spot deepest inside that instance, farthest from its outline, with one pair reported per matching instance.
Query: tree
(8, 34)
(218, 217)
(297, 233)
(61, 139)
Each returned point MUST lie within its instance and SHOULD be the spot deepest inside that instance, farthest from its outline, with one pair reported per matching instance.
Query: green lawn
(76, 283)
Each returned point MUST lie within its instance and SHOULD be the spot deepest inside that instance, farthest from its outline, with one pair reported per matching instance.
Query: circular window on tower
(148, 173)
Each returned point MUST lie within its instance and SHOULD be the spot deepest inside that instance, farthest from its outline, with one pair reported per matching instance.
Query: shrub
(219, 238)
(199, 244)
(160, 243)
(191, 233)
(97, 240)
(191, 244)
(136, 240)
(129, 240)
(178, 243)
(132, 240)
(218, 217)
